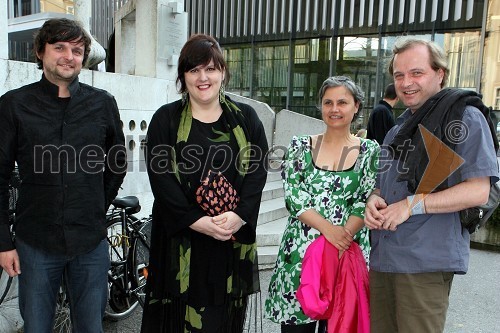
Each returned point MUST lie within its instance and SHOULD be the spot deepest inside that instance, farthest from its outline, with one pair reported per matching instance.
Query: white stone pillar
(149, 36)
(83, 13)
(146, 25)
(166, 23)
(125, 46)
(4, 35)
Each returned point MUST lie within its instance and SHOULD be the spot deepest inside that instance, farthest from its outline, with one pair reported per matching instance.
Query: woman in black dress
(202, 266)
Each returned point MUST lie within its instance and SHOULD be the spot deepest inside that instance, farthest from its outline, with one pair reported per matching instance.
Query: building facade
(26, 16)
(280, 51)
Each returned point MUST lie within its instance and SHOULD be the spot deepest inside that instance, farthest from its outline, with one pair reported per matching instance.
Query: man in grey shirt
(418, 243)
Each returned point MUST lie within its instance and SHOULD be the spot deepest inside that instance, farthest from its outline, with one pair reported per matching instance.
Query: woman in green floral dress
(327, 178)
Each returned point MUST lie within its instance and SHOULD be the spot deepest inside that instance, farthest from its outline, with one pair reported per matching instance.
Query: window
(21, 7)
(239, 64)
(462, 49)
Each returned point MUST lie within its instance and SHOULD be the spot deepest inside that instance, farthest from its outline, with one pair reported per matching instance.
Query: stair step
(271, 210)
(273, 190)
(269, 234)
(273, 176)
(267, 255)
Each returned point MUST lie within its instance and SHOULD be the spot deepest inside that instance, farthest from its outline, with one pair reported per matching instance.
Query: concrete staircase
(272, 220)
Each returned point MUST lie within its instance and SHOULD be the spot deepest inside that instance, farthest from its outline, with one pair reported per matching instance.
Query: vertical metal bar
(291, 47)
(37, 7)
(379, 69)
(481, 46)
(470, 9)
(275, 17)
(218, 19)
(335, 31)
(285, 16)
(252, 48)
(422, 11)
(362, 13)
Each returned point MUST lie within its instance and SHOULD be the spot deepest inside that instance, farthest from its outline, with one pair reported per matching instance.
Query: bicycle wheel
(10, 317)
(121, 304)
(140, 257)
(62, 318)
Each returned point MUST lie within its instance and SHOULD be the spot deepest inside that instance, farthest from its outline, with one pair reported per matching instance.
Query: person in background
(382, 117)
(327, 178)
(203, 267)
(418, 242)
(68, 143)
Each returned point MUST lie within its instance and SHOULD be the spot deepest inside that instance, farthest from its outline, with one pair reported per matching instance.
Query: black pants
(305, 328)
(175, 316)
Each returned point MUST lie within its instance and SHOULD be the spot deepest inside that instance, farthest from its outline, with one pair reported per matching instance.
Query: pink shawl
(333, 289)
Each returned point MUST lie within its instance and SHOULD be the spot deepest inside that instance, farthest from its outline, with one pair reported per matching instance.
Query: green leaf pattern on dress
(193, 318)
(183, 274)
(244, 153)
(223, 137)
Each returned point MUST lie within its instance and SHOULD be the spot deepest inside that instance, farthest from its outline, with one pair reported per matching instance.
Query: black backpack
(475, 217)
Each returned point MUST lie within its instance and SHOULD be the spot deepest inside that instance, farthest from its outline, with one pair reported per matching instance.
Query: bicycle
(10, 317)
(129, 241)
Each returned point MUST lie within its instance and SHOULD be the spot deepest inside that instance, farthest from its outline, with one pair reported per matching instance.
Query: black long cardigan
(174, 211)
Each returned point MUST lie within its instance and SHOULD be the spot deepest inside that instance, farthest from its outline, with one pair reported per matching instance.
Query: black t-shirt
(210, 146)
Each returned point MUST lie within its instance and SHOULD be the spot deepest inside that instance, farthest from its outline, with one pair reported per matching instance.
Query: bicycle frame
(131, 233)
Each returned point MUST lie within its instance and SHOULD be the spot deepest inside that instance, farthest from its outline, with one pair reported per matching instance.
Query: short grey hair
(346, 82)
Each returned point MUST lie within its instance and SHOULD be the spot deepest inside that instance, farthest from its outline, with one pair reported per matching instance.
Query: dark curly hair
(60, 30)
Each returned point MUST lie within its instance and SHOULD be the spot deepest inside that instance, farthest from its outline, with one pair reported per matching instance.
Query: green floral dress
(336, 195)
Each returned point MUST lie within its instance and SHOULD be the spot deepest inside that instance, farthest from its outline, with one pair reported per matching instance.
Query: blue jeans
(86, 281)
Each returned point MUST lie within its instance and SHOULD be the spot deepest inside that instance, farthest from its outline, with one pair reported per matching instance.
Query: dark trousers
(305, 328)
(175, 316)
(86, 282)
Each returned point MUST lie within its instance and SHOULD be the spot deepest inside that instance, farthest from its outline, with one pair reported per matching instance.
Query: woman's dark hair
(200, 49)
(60, 30)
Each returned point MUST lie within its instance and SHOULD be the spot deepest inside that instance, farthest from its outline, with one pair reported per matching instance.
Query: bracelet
(243, 222)
(416, 204)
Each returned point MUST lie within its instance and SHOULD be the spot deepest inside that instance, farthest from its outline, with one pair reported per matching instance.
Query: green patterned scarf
(239, 283)
(235, 120)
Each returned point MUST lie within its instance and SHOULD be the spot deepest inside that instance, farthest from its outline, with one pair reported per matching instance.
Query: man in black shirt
(382, 119)
(68, 143)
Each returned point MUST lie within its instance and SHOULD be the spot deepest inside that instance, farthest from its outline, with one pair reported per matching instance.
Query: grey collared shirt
(431, 242)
